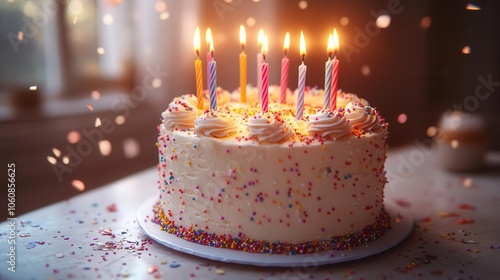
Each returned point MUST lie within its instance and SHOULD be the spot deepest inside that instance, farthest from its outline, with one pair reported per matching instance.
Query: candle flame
(302, 45)
(264, 48)
(197, 40)
(336, 44)
(260, 37)
(243, 36)
(208, 36)
(286, 43)
(329, 49)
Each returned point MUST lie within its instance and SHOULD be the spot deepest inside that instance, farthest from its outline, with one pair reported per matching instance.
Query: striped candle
(208, 38)
(328, 74)
(334, 87)
(243, 66)
(265, 77)
(302, 79)
(335, 73)
(212, 65)
(197, 68)
(265, 87)
(285, 63)
(260, 39)
(328, 84)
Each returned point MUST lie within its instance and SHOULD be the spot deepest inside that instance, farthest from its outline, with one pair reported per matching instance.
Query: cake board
(401, 222)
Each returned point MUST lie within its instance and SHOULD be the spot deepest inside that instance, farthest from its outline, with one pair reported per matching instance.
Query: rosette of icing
(328, 124)
(362, 117)
(269, 128)
(343, 98)
(190, 99)
(212, 125)
(179, 115)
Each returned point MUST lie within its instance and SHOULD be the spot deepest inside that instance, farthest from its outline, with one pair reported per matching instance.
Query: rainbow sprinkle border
(242, 243)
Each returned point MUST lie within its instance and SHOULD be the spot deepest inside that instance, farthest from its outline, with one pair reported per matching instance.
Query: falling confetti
(51, 160)
(472, 7)
(59, 255)
(31, 245)
(303, 5)
(251, 22)
(20, 35)
(65, 160)
(344, 21)
(365, 70)
(95, 95)
(432, 131)
(33, 87)
(78, 185)
(97, 122)
(119, 120)
(383, 21)
(56, 152)
(90, 107)
(131, 148)
(454, 144)
(467, 182)
(425, 22)
(466, 50)
(101, 50)
(105, 147)
(402, 118)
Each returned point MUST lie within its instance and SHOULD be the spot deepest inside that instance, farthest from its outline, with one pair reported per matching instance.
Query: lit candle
(285, 62)
(208, 39)
(243, 66)
(265, 77)
(197, 68)
(260, 38)
(302, 79)
(335, 72)
(328, 74)
(212, 65)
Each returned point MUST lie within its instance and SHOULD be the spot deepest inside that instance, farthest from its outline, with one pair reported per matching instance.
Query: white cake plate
(401, 221)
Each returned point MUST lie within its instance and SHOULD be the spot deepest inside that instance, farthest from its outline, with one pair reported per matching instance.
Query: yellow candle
(243, 66)
(197, 68)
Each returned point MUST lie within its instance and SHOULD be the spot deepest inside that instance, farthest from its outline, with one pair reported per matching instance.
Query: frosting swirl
(328, 124)
(211, 125)
(362, 117)
(179, 115)
(269, 128)
(343, 98)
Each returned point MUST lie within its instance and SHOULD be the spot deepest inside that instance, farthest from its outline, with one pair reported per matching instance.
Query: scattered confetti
(111, 208)
(220, 271)
(119, 120)
(59, 255)
(105, 147)
(432, 131)
(24, 235)
(131, 148)
(466, 50)
(466, 206)
(20, 35)
(56, 152)
(105, 231)
(90, 107)
(51, 160)
(465, 221)
(33, 87)
(95, 95)
(175, 265)
(74, 137)
(78, 185)
(31, 245)
(152, 269)
(402, 118)
(425, 22)
(402, 203)
(383, 21)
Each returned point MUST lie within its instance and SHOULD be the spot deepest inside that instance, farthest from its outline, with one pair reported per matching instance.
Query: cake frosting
(243, 179)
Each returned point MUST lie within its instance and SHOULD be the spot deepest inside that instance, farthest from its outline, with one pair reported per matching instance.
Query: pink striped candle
(335, 73)
(265, 78)
(328, 74)
(260, 39)
(302, 79)
(285, 63)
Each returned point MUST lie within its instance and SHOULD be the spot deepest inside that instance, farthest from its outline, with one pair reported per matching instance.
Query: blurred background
(83, 83)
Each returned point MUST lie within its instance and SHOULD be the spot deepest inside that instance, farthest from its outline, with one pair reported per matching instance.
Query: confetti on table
(31, 245)
(105, 231)
(465, 221)
(24, 235)
(175, 265)
(220, 271)
(111, 208)
(466, 206)
(59, 255)
(152, 269)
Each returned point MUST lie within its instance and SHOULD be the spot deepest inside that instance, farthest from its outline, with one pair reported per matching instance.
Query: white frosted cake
(265, 183)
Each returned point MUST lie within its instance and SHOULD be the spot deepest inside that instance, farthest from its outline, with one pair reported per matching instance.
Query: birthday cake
(263, 182)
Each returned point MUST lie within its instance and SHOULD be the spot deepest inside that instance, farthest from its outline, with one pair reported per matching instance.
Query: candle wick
(303, 57)
(212, 54)
(264, 57)
(286, 52)
(330, 55)
(335, 54)
(198, 53)
(242, 47)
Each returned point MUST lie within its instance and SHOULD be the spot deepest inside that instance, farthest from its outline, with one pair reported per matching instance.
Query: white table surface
(64, 241)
